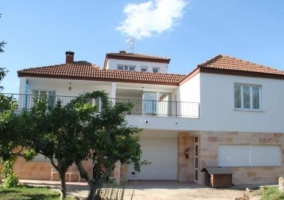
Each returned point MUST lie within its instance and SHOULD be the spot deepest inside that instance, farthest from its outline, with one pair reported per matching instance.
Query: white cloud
(150, 18)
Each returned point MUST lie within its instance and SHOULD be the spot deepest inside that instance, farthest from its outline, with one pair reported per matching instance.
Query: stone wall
(185, 165)
(42, 170)
(210, 140)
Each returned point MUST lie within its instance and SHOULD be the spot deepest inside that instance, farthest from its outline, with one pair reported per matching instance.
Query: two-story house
(226, 113)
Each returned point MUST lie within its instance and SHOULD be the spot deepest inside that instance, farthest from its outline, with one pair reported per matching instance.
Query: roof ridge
(259, 65)
(224, 62)
(211, 60)
(61, 65)
(138, 54)
(144, 72)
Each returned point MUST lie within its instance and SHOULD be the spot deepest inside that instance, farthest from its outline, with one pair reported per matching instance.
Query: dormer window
(143, 69)
(156, 69)
(126, 68)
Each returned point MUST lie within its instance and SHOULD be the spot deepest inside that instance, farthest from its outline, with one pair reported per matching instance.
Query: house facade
(225, 113)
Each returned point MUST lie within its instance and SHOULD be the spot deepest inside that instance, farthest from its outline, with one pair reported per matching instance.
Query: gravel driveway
(171, 190)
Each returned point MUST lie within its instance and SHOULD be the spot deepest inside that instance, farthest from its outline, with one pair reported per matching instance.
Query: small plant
(11, 180)
(272, 193)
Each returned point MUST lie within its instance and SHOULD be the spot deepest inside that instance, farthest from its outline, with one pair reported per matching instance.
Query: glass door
(149, 103)
(165, 104)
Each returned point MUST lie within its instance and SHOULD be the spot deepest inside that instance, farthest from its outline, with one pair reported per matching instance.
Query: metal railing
(140, 106)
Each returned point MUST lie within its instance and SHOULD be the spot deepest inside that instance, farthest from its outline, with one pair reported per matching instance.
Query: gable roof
(223, 62)
(83, 71)
(122, 55)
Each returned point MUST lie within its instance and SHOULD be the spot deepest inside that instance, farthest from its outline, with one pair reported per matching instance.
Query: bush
(272, 193)
(11, 180)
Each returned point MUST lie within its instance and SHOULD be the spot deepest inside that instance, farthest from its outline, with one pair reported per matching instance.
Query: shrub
(11, 180)
(272, 193)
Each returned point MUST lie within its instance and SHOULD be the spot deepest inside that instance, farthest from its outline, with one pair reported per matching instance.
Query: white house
(226, 113)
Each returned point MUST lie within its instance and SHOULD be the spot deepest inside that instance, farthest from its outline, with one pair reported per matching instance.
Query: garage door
(162, 153)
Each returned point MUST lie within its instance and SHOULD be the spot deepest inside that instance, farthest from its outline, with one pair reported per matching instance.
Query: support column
(22, 87)
(112, 94)
(185, 165)
(116, 172)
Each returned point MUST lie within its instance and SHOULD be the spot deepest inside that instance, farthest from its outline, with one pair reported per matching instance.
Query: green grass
(271, 193)
(28, 192)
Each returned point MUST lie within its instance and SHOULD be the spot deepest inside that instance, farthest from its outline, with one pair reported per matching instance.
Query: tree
(70, 133)
(110, 139)
(8, 128)
(2, 70)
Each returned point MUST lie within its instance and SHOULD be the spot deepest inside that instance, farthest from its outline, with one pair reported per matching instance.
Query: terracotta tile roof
(223, 62)
(138, 57)
(83, 71)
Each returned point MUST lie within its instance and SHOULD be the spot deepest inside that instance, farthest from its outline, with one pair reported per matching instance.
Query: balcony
(140, 106)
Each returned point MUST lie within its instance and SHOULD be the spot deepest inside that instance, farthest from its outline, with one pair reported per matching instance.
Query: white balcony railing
(140, 106)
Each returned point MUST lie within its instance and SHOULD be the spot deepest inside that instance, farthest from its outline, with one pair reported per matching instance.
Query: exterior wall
(190, 90)
(112, 64)
(42, 170)
(217, 105)
(208, 155)
(185, 165)
(62, 86)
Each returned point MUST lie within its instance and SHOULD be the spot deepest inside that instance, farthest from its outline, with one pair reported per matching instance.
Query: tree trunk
(63, 186)
(92, 193)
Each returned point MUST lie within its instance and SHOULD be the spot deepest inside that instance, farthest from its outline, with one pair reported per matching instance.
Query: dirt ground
(156, 190)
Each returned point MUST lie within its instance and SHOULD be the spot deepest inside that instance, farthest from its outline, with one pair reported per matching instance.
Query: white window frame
(144, 68)
(126, 67)
(156, 68)
(249, 155)
(251, 86)
(39, 95)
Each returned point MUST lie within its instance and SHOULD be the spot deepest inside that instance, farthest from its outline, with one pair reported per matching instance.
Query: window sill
(248, 110)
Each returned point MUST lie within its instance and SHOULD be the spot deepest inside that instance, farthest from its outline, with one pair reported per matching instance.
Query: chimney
(69, 56)
(122, 51)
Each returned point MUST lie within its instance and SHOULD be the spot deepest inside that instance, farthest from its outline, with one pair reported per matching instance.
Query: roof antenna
(131, 43)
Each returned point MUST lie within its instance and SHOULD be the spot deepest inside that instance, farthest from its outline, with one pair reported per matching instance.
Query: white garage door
(162, 153)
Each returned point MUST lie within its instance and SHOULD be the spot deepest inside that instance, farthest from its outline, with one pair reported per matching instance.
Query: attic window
(143, 69)
(126, 68)
(156, 69)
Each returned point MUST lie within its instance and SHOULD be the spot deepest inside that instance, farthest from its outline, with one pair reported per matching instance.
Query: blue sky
(189, 32)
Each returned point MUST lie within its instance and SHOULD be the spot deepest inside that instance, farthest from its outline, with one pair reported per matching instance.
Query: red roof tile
(223, 62)
(92, 72)
(137, 57)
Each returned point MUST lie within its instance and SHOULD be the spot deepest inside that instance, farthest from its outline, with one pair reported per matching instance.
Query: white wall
(113, 63)
(217, 105)
(189, 96)
(61, 86)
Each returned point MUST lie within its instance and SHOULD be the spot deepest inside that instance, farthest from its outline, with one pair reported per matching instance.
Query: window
(249, 155)
(120, 67)
(155, 69)
(126, 67)
(49, 94)
(247, 97)
(143, 69)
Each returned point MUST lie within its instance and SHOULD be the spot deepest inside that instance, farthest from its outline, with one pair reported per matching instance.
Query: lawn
(28, 192)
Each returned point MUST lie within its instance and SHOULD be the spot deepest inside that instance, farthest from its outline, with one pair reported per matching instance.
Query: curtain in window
(255, 97)
(246, 95)
(238, 96)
